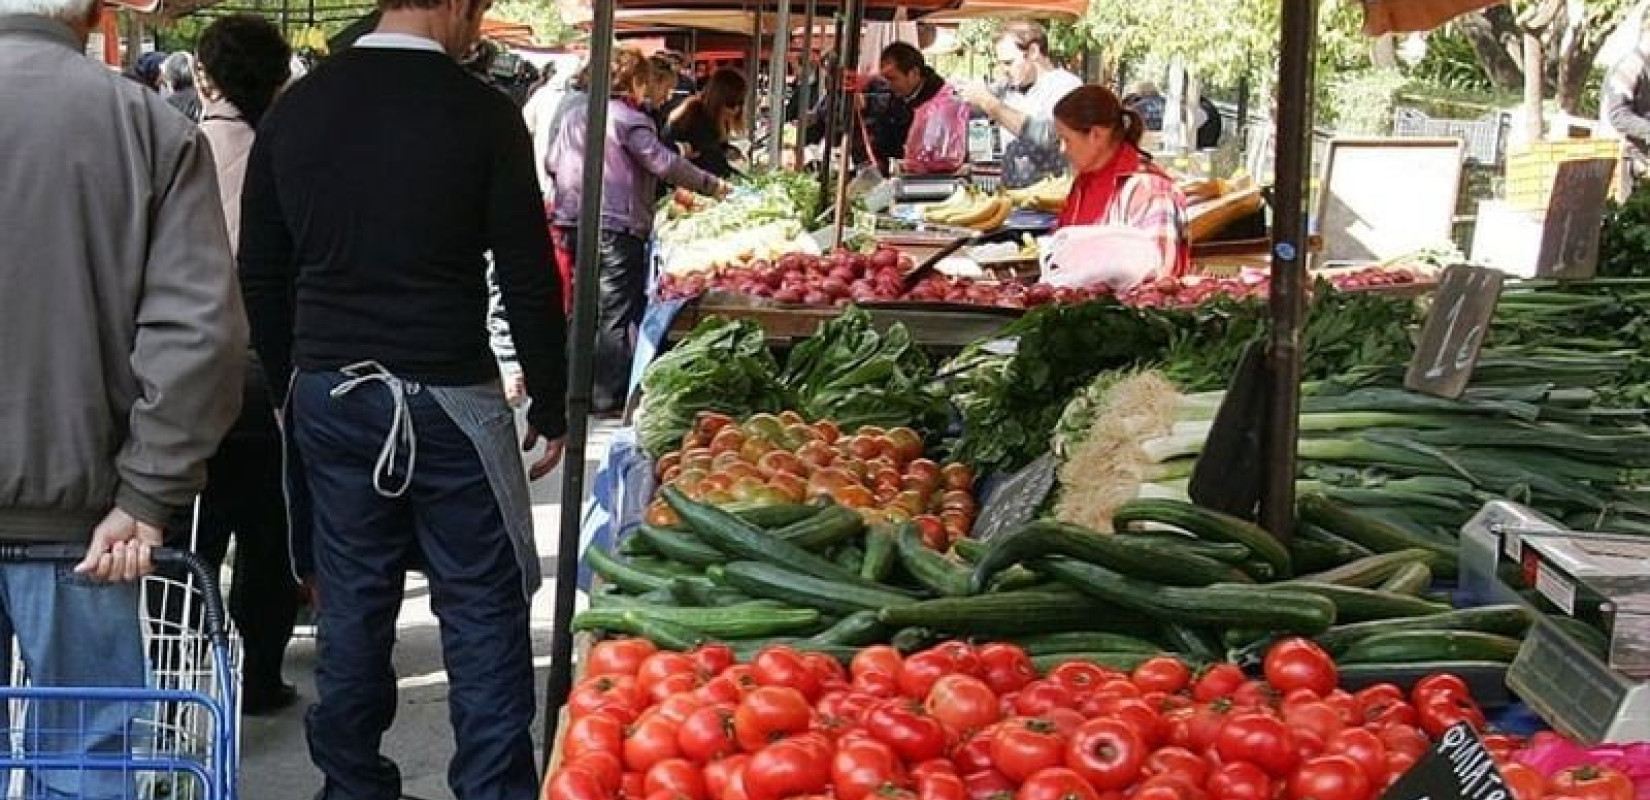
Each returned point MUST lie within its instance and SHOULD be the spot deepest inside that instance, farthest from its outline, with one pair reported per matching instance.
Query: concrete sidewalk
(275, 761)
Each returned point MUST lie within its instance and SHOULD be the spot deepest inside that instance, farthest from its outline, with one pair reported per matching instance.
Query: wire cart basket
(176, 738)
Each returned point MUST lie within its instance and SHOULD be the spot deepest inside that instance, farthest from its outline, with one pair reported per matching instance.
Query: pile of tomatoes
(967, 722)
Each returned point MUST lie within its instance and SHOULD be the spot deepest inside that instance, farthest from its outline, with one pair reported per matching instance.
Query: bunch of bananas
(970, 209)
(309, 38)
(1048, 194)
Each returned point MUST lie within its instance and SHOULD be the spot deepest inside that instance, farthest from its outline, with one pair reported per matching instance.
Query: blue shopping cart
(176, 738)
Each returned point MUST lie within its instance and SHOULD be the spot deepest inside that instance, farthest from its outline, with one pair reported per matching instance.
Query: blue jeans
(366, 533)
(75, 632)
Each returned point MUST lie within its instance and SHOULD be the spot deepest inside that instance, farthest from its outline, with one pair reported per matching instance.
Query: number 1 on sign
(1469, 342)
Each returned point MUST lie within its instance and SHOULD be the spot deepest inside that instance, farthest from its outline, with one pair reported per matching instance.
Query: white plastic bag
(1082, 256)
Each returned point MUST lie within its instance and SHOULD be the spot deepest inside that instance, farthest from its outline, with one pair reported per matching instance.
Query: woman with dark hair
(1117, 184)
(705, 124)
(244, 63)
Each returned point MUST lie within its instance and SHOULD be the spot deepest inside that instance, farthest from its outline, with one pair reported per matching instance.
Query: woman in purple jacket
(636, 160)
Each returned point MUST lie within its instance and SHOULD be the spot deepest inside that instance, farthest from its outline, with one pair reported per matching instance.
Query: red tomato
(1441, 683)
(1106, 752)
(1078, 676)
(1308, 745)
(963, 703)
(1025, 745)
(1396, 713)
(962, 655)
(1403, 739)
(877, 684)
(786, 769)
(708, 734)
(1162, 674)
(1591, 783)
(1501, 746)
(677, 776)
(721, 689)
(1178, 761)
(863, 767)
(719, 773)
(599, 733)
(845, 706)
(1397, 764)
(880, 659)
(828, 670)
(1005, 668)
(1138, 715)
(1329, 778)
(934, 765)
(1316, 717)
(1343, 704)
(1523, 781)
(1203, 728)
(618, 657)
(1110, 687)
(1260, 739)
(648, 742)
(712, 659)
(1254, 694)
(1378, 694)
(988, 785)
(660, 667)
(1041, 696)
(1160, 791)
(1240, 780)
(607, 768)
(577, 784)
(937, 785)
(783, 666)
(1180, 787)
(679, 706)
(1441, 711)
(604, 690)
(904, 726)
(631, 786)
(661, 794)
(973, 753)
(1298, 663)
(920, 672)
(1056, 783)
(1218, 681)
(1364, 747)
(769, 714)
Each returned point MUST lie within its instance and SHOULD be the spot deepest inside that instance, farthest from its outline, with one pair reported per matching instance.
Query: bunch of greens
(1603, 319)
(1624, 242)
(801, 188)
(852, 375)
(722, 366)
(762, 199)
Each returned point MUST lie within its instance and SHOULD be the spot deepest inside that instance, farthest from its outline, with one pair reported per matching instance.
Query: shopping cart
(177, 738)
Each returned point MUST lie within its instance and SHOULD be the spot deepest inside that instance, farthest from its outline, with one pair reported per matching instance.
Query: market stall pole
(804, 83)
(585, 293)
(776, 84)
(852, 21)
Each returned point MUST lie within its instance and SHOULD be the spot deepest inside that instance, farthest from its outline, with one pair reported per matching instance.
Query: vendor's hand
(552, 453)
(723, 189)
(978, 94)
(120, 549)
(515, 388)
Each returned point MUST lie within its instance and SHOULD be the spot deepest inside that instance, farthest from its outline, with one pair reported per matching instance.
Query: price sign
(1228, 475)
(1454, 332)
(1575, 217)
(1014, 500)
(1458, 767)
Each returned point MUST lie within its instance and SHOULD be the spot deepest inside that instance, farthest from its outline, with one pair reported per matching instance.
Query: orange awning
(1066, 10)
(1403, 16)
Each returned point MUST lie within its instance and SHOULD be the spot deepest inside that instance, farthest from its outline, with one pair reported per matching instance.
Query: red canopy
(1402, 16)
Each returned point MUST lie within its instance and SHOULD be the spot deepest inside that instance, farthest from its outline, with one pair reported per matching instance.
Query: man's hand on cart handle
(120, 549)
(552, 453)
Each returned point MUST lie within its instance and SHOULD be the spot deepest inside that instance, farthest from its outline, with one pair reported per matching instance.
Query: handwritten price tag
(1455, 331)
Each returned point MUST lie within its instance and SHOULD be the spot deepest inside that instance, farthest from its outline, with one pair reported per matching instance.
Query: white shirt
(1050, 88)
(399, 41)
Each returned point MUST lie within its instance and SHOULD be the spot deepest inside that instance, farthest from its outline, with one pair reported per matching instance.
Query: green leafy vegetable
(722, 366)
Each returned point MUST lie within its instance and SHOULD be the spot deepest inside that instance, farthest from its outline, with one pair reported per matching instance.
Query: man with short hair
(374, 191)
(121, 341)
(889, 112)
(177, 72)
(1031, 85)
(1624, 110)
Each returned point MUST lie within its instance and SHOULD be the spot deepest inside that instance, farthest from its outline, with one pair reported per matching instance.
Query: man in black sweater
(373, 192)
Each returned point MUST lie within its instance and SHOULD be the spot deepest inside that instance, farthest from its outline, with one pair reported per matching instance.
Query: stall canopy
(1066, 10)
(1402, 16)
(883, 9)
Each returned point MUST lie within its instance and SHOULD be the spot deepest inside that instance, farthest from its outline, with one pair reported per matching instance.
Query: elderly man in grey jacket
(1624, 109)
(121, 341)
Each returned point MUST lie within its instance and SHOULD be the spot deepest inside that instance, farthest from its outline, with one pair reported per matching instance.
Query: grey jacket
(1625, 106)
(122, 334)
(637, 159)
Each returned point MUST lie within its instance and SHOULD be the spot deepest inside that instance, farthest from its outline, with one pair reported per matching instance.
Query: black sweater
(374, 189)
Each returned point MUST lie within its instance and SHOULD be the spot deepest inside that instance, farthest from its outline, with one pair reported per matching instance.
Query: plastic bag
(1082, 256)
(1550, 754)
(938, 141)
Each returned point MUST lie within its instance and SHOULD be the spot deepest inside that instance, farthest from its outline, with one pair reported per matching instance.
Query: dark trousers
(449, 519)
(623, 279)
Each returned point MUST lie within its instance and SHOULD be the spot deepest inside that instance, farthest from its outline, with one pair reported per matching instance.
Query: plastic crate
(1530, 173)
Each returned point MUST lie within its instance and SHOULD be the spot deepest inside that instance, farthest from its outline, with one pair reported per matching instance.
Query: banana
(980, 212)
(998, 217)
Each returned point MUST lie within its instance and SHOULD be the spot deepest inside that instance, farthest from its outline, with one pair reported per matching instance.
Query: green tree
(549, 29)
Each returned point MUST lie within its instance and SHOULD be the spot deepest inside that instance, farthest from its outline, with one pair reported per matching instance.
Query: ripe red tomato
(828, 670)
(1005, 668)
(599, 733)
(630, 786)
(708, 734)
(1316, 717)
(845, 706)
(1524, 782)
(1260, 739)
(963, 703)
(1441, 711)
(1364, 747)
(1254, 694)
(973, 753)
(1138, 715)
(718, 775)
(1203, 728)
(769, 714)
(864, 766)
(1218, 681)
(677, 776)
(1106, 752)
(939, 785)
(604, 690)
(1308, 745)
(1162, 674)
(607, 768)
(577, 784)
(1239, 780)
(1591, 783)
(783, 666)
(786, 769)
(988, 785)
(648, 742)
(1040, 696)
(1178, 761)
(721, 689)
(880, 659)
(678, 707)
(1179, 787)
(1079, 676)
(920, 672)
(664, 674)
(1161, 791)
(1441, 683)
(1397, 764)
(1298, 663)
(1403, 739)
(933, 765)
(618, 657)
(1330, 778)
(1065, 720)
(712, 659)
(1056, 783)
(962, 655)
(906, 727)
(1025, 745)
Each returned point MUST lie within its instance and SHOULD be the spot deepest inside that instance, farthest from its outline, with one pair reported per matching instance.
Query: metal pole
(776, 84)
(850, 61)
(834, 100)
(805, 85)
(585, 299)
(753, 70)
(1289, 259)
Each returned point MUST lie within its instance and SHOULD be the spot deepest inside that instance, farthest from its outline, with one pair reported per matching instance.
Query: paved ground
(275, 761)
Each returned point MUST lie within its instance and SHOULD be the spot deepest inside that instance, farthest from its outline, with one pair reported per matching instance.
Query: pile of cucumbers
(1180, 579)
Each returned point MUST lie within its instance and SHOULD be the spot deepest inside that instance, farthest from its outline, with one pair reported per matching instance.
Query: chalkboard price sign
(1455, 331)
(1575, 214)
(1458, 767)
(1228, 476)
(1014, 501)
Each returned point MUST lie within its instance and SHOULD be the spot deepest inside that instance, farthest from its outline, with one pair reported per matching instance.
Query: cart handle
(216, 620)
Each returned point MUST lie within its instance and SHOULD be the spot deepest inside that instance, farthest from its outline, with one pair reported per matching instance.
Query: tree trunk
(1533, 68)
(1490, 37)
(1574, 70)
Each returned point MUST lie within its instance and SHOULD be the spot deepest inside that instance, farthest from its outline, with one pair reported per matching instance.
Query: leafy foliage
(1624, 244)
(1451, 63)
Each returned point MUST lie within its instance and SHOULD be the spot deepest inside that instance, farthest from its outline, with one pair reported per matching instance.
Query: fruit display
(778, 459)
(970, 208)
(1047, 195)
(768, 214)
(1198, 289)
(966, 721)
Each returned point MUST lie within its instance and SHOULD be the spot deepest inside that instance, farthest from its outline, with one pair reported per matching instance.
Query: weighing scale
(924, 188)
(1573, 689)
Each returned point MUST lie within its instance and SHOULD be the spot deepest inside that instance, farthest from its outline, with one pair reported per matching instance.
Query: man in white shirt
(1032, 84)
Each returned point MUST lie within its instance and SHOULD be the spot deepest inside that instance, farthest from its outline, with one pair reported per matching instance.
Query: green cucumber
(1011, 579)
(932, 570)
(747, 650)
(731, 622)
(1124, 661)
(1411, 646)
(1411, 579)
(1507, 620)
(1361, 605)
(1205, 524)
(664, 633)
(1200, 642)
(858, 629)
(914, 639)
(766, 580)
(1221, 605)
(969, 550)
(664, 567)
(772, 517)
(1259, 571)
(1015, 613)
(735, 537)
(880, 554)
(1225, 552)
(1085, 642)
(1145, 559)
(1370, 571)
(620, 573)
(1375, 534)
(831, 525)
(703, 593)
(1315, 549)
(1372, 673)
(634, 545)
(849, 556)
(679, 545)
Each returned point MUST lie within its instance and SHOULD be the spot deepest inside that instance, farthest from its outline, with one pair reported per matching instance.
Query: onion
(885, 258)
(834, 287)
(816, 298)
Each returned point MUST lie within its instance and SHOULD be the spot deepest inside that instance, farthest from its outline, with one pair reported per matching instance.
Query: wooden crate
(1530, 173)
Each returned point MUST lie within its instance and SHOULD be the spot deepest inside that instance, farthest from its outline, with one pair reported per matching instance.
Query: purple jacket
(636, 160)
